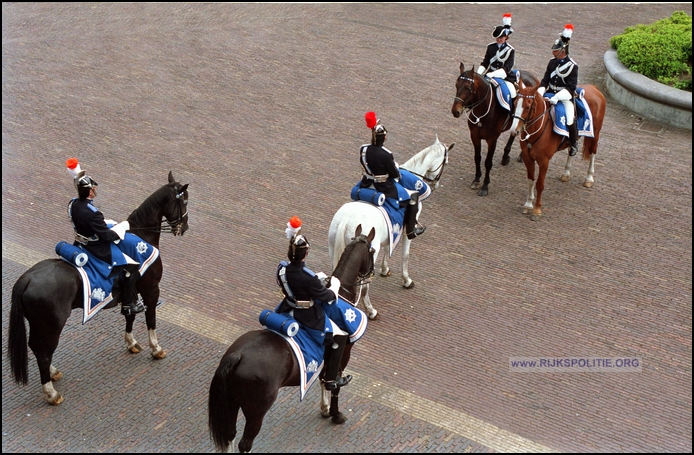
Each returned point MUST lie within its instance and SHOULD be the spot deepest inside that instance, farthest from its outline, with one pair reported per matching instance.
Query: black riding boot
(129, 303)
(573, 138)
(333, 357)
(412, 229)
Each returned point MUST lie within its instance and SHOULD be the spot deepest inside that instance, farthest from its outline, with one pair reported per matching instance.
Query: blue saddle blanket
(390, 208)
(97, 282)
(503, 94)
(584, 117)
(308, 344)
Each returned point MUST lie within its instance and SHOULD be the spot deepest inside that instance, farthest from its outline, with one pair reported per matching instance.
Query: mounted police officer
(381, 171)
(500, 56)
(92, 234)
(303, 289)
(559, 83)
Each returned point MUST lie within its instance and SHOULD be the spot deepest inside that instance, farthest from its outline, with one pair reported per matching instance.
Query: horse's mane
(142, 215)
(414, 163)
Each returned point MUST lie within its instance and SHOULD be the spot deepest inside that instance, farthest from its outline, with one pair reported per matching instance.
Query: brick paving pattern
(260, 108)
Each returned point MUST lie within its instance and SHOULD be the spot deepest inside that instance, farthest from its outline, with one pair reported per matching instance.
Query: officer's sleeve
(320, 292)
(98, 225)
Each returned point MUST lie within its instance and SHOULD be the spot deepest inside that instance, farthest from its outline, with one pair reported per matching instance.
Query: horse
(47, 293)
(427, 164)
(260, 362)
(539, 141)
(486, 119)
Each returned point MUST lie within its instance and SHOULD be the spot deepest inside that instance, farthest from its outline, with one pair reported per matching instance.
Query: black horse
(260, 362)
(47, 293)
(486, 120)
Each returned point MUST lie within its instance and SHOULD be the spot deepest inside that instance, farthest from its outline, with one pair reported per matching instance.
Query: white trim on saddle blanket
(95, 284)
(503, 92)
(583, 114)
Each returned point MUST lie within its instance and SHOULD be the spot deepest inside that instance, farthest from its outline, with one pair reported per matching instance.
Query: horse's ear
(357, 231)
(184, 188)
(372, 234)
(462, 68)
(171, 179)
(450, 147)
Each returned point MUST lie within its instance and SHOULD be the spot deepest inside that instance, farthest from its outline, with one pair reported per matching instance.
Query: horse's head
(468, 87)
(525, 106)
(360, 240)
(430, 162)
(175, 209)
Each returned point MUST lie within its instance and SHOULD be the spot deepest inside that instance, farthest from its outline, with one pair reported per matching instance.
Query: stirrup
(418, 230)
(133, 308)
(341, 382)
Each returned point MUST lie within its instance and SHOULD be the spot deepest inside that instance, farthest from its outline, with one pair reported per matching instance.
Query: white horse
(428, 165)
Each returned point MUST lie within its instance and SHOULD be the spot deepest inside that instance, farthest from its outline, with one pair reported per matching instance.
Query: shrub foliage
(661, 51)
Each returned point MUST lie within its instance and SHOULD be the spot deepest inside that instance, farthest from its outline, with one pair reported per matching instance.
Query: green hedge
(661, 51)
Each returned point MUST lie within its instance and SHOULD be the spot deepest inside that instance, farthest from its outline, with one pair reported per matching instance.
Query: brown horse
(261, 362)
(47, 293)
(486, 119)
(539, 141)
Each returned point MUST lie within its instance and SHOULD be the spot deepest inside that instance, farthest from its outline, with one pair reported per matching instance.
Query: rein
(533, 120)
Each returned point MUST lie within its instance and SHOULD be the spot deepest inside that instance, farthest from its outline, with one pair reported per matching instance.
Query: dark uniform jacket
(89, 222)
(560, 74)
(378, 163)
(305, 286)
(506, 58)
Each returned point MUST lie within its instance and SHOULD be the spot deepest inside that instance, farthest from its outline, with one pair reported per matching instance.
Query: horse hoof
(475, 185)
(409, 286)
(159, 355)
(375, 316)
(135, 349)
(339, 418)
(386, 274)
(588, 184)
(535, 217)
(57, 401)
(505, 160)
(57, 376)
(482, 192)
(564, 178)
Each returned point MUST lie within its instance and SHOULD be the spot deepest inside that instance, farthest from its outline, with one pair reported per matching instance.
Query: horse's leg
(477, 144)
(371, 312)
(539, 187)
(507, 151)
(591, 144)
(530, 171)
(566, 176)
(491, 147)
(130, 341)
(385, 270)
(407, 283)
(43, 344)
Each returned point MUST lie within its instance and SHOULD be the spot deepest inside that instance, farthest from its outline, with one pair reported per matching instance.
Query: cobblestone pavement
(260, 108)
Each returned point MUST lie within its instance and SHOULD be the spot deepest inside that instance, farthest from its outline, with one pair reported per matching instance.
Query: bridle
(531, 121)
(168, 226)
(363, 279)
(439, 170)
(474, 105)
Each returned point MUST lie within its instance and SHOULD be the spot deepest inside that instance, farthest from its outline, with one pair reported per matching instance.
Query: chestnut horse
(486, 119)
(47, 293)
(539, 141)
(261, 362)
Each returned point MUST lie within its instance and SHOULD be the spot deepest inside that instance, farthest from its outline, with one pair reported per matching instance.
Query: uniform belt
(84, 239)
(555, 88)
(377, 178)
(304, 304)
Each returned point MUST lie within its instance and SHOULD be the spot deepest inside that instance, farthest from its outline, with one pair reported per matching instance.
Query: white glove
(500, 73)
(110, 223)
(322, 277)
(553, 100)
(121, 228)
(541, 91)
(481, 70)
(335, 286)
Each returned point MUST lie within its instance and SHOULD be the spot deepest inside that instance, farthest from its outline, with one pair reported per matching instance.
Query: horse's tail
(222, 411)
(17, 343)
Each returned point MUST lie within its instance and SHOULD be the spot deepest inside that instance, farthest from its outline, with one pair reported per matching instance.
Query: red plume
(295, 222)
(371, 119)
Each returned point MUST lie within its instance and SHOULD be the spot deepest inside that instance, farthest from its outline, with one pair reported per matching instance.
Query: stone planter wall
(647, 97)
